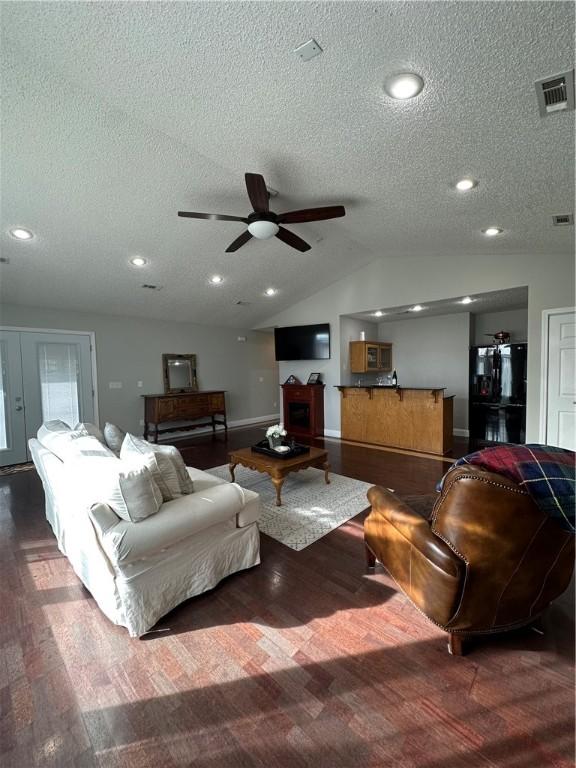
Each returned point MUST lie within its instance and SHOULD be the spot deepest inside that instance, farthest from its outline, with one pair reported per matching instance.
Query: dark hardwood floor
(302, 661)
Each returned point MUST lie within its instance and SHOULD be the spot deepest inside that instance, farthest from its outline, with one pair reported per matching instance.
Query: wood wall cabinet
(303, 409)
(187, 407)
(370, 357)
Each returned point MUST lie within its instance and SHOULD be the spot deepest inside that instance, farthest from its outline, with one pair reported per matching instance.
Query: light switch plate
(115, 385)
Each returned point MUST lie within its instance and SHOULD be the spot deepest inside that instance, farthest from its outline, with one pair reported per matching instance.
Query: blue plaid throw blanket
(546, 472)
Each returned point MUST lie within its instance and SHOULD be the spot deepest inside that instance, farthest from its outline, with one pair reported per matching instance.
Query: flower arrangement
(276, 430)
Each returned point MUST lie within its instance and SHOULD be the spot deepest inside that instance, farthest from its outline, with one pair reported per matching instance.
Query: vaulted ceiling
(117, 115)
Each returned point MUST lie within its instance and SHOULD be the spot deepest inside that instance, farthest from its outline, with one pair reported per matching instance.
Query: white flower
(276, 430)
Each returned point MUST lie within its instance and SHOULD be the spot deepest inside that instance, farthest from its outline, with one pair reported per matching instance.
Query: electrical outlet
(141, 422)
(274, 404)
(260, 379)
(140, 384)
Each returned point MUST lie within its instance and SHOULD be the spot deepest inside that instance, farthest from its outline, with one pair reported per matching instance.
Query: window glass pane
(3, 395)
(59, 370)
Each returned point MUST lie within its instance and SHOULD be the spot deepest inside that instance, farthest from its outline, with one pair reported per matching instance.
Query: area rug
(310, 508)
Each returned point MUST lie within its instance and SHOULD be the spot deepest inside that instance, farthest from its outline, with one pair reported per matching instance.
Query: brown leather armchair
(487, 560)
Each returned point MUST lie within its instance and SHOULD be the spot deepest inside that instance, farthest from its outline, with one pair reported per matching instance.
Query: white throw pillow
(51, 427)
(161, 466)
(143, 446)
(90, 429)
(74, 444)
(129, 490)
(114, 437)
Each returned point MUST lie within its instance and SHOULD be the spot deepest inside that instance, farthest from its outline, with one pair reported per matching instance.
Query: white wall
(130, 349)
(433, 352)
(394, 281)
(515, 321)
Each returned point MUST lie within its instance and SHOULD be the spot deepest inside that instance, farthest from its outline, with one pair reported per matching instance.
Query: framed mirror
(179, 373)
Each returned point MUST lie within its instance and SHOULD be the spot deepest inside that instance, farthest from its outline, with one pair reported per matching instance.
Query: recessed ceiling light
(378, 313)
(417, 308)
(270, 291)
(21, 234)
(216, 280)
(465, 184)
(492, 231)
(404, 85)
(467, 300)
(138, 261)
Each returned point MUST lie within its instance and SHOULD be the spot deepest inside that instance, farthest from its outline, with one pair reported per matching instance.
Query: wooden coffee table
(279, 469)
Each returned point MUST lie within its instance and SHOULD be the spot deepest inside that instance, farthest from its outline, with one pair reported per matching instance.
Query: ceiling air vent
(556, 93)
(241, 303)
(152, 287)
(563, 220)
(4, 260)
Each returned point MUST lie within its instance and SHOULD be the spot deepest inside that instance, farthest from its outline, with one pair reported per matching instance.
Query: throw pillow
(128, 490)
(185, 482)
(162, 468)
(114, 437)
(90, 429)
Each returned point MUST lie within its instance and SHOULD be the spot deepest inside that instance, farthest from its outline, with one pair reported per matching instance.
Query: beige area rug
(310, 508)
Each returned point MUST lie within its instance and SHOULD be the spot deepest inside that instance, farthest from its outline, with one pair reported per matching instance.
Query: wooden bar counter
(416, 419)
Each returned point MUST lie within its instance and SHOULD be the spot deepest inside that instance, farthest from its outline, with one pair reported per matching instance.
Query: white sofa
(137, 572)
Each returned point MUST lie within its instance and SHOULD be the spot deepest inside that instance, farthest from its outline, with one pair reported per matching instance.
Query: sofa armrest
(414, 528)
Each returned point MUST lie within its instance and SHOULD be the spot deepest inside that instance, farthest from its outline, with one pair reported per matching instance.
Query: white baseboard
(231, 425)
(332, 433)
(460, 432)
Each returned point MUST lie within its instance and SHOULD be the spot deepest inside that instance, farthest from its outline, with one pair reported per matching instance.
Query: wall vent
(242, 303)
(4, 260)
(563, 220)
(556, 93)
(152, 287)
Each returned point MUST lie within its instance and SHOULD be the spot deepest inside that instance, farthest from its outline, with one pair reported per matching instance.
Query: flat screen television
(303, 342)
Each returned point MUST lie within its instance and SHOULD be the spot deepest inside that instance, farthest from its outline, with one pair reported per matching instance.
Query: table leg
(326, 468)
(232, 467)
(278, 483)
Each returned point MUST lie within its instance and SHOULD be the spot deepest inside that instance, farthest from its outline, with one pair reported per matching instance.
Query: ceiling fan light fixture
(404, 85)
(263, 230)
(216, 280)
(492, 231)
(138, 261)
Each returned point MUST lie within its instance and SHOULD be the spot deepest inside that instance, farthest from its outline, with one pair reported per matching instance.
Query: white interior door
(12, 423)
(45, 376)
(561, 390)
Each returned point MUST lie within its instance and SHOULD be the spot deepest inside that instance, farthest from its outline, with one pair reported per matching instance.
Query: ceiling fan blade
(312, 214)
(291, 239)
(215, 216)
(239, 242)
(257, 192)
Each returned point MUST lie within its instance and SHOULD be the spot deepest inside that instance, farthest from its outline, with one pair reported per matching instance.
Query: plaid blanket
(546, 472)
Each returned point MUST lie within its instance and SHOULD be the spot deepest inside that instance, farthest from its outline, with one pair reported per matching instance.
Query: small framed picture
(314, 378)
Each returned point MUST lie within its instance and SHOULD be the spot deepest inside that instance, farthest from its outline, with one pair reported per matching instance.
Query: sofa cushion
(160, 465)
(114, 437)
(124, 542)
(138, 444)
(249, 513)
(90, 429)
(127, 488)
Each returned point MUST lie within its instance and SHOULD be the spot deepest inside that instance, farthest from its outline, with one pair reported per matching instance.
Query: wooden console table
(189, 406)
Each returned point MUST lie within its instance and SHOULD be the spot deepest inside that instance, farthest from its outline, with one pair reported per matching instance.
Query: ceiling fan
(264, 223)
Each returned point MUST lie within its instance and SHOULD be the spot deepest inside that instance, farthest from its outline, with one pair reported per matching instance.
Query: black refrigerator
(498, 394)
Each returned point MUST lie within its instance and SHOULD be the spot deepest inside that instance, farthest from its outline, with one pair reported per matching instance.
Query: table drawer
(217, 402)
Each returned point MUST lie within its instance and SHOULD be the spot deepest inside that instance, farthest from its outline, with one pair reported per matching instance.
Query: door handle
(19, 408)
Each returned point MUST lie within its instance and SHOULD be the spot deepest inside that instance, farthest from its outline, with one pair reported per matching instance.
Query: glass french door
(45, 376)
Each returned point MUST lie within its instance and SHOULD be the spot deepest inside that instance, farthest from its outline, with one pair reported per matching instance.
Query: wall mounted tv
(303, 342)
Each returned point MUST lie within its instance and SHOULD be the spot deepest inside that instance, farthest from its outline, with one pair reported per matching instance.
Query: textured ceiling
(494, 301)
(117, 115)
